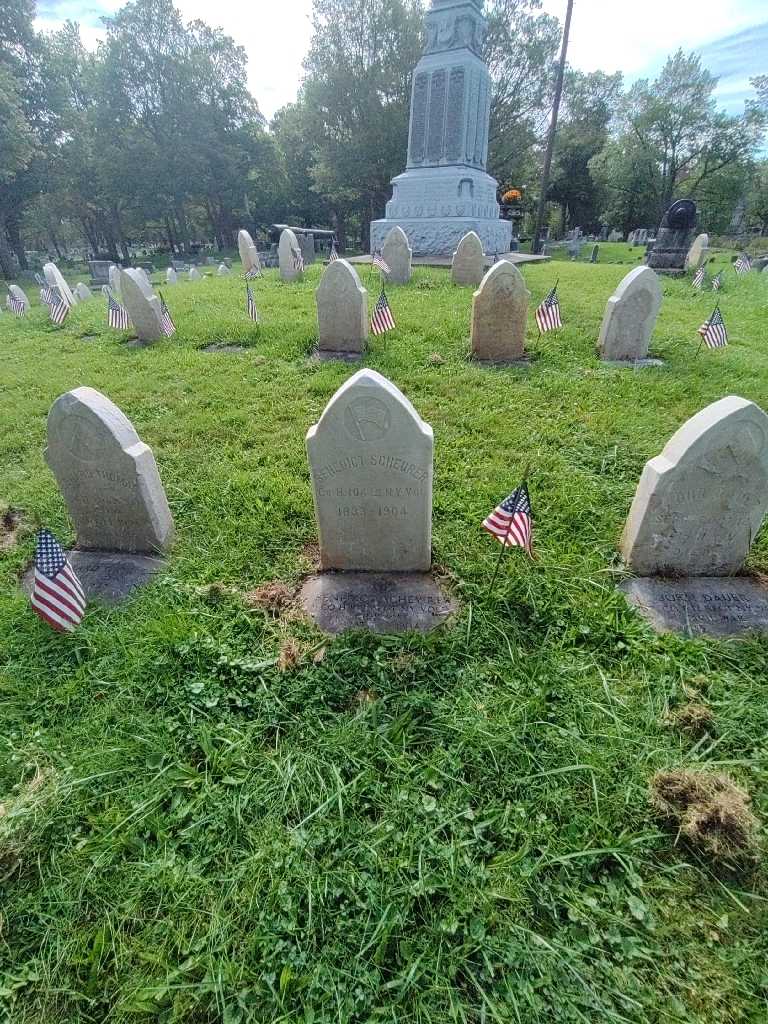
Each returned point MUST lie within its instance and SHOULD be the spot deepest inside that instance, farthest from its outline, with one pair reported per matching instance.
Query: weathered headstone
(499, 313)
(342, 311)
(83, 292)
(468, 265)
(397, 256)
(54, 279)
(673, 239)
(371, 463)
(114, 279)
(287, 251)
(194, 274)
(249, 254)
(594, 254)
(143, 310)
(171, 277)
(223, 270)
(698, 252)
(18, 293)
(139, 276)
(630, 317)
(696, 512)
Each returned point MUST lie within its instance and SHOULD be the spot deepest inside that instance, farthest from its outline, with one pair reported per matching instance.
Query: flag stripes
(57, 595)
(511, 521)
(548, 313)
(713, 332)
(382, 319)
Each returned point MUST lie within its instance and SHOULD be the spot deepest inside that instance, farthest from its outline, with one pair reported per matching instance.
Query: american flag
(250, 304)
(743, 264)
(333, 255)
(699, 278)
(298, 260)
(254, 272)
(49, 295)
(167, 326)
(382, 319)
(548, 313)
(510, 522)
(717, 282)
(58, 309)
(713, 332)
(16, 306)
(57, 595)
(117, 315)
(378, 261)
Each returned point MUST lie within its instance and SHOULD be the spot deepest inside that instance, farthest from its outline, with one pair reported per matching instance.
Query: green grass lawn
(407, 829)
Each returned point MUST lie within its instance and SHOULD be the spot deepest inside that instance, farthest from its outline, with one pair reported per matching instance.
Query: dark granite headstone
(674, 238)
(708, 605)
(106, 576)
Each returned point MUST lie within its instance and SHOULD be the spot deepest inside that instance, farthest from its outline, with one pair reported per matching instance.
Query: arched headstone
(342, 310)
(288, 253)
(223, 270)
(698, 252)
(143, 310)
(249, 255)
(54, 279)
(171, 277)
(499, 315)
(630, 317)
(194, 274)
(397, 255)
(18, 293)
(82, 292)
(114, 279)
(468, 265)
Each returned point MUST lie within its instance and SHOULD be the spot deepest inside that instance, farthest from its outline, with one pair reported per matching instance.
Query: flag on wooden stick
(57, 594)
(250, 304)
(713, 332)
(117, 315)
(167, 326)
(548, 313)
(15, 305)
(699, 278)
(382, 319)
(510, 522)
(743, 264)
(380, 263)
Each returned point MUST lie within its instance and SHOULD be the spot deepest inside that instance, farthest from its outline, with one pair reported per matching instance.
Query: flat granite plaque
(704, 605)
(380, 602)
(107, 576)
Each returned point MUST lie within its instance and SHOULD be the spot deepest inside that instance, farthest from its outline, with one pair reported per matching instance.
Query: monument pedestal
(701, 605)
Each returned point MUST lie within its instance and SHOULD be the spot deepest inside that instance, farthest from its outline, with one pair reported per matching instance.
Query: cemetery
(316, 746)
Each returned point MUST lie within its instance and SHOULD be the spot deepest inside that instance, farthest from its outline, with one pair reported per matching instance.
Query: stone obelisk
(445, 190)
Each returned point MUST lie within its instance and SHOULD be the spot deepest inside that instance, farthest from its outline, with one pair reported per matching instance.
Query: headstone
(615, 236)
(499, 314)
(630, 317)
(223, 270)
(106, 291)
(114, 279)
(249, 255)
(370, 459)
(18, 293)
(397, 256)
(594, 254)
(171, 277)
(83, 292)
(99, 271)
(139, 276)
(468, 265)
(342, 311)
(143, 310)
(55, 280)
(307, 246)
(673, 239)
(697, 254)
(286, 251)
(194, 274)
(700, 503)
(107, 475)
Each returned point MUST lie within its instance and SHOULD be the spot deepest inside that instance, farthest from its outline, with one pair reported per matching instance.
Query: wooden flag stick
(509, 528)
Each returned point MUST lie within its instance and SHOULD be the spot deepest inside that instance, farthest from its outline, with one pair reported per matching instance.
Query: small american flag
(548, 313)
(254, 272)
(378, 261)
(57, 595)
(510, 522)
(16, 306)
(333, 255)
(713, 332)
(250, 304)
(743, 264)
(58, 309)
(699, 278)
(167, 326)
(49, 295)
(117, 315)
(717, 282)
(382, 319)
(298, 260)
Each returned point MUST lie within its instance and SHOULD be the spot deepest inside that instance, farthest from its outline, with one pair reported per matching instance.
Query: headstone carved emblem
(367, 419)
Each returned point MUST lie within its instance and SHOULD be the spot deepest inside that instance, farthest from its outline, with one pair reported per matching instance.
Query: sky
(611, 35)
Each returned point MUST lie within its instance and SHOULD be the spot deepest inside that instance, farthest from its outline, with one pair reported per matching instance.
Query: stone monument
(445, 190)
(82, 292)
(18, 293)
(697, 254)
(288, 251)
(342, 313)
(249, 254)
(171, 277)
(673, 239)
(194, 274)
(629, 319)
(114, 279)
(397, 255)
(370, 458)
(54, 279)
(696, 512)
(112, 488)
(499, 316)
(144, 310)
(468, 266)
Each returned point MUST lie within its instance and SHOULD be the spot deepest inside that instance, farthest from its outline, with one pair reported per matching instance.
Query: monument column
(445, 190)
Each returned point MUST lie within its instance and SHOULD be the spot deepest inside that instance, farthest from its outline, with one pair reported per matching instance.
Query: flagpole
(509, 530)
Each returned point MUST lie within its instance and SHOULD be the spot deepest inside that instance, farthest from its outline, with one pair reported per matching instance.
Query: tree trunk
(54, 240)
(183, 232)
(169, 233)
(7, 264)
(14, 237)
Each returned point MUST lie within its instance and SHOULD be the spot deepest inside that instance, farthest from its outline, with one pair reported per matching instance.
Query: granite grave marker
(342, 312)
(499, 315)
(468, 267)
(630, 317)
(397, 256)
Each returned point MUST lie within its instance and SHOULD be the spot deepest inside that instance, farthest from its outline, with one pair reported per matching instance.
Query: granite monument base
(700, 605)
(106, 576)
(633, 364)
(439, 236)
(326, 355)
(523, 362)
(379, 602)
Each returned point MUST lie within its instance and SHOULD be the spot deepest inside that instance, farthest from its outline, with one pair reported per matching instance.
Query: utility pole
(552, 132)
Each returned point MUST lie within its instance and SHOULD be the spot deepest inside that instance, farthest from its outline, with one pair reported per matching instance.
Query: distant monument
(445, 191)
(673, 239)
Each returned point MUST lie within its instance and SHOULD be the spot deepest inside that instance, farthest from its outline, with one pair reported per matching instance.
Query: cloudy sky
(614, 35)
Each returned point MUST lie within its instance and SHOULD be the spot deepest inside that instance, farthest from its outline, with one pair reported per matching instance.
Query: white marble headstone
(370, 459)
(143, 309)
(194, 274)
(342, 309)
(223, 270)
(630, 317)
(82, 292)
(114, 279)
(698, 252)
(499, 315)
(468, 265)
(55, 280)
(107, 475)
(700, 503)
(397, 255)
(171, 277)
(249, 254)
(18, 293)
(287, 246)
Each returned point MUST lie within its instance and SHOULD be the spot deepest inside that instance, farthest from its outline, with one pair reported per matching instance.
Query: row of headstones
(696, 512)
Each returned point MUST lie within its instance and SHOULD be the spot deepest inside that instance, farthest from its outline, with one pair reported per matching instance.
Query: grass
(454, 827)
